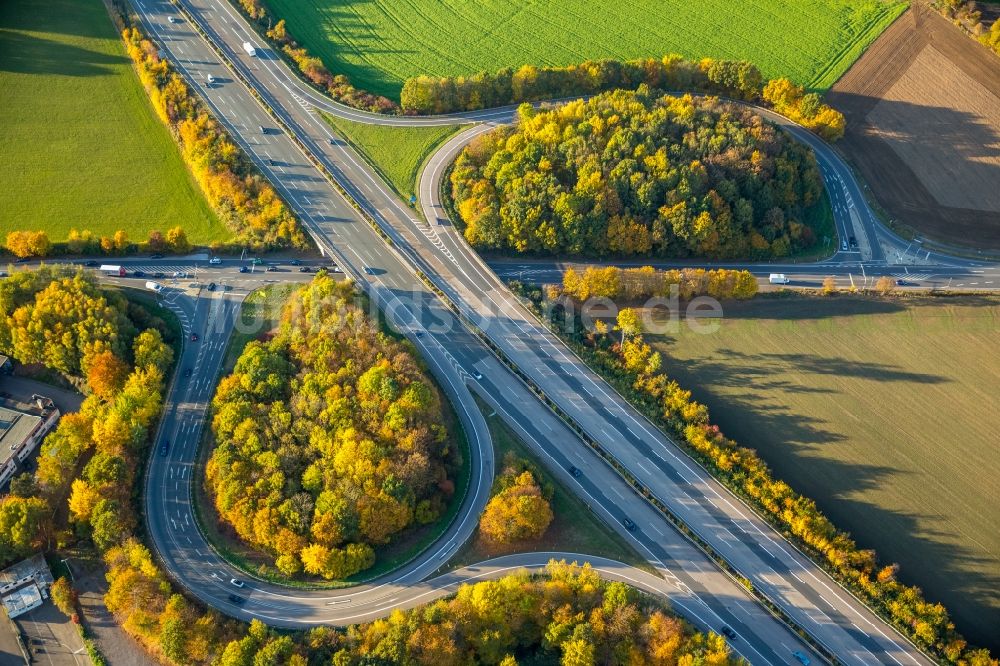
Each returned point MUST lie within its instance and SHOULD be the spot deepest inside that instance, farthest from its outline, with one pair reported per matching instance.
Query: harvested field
(883, 411)
(923, 111)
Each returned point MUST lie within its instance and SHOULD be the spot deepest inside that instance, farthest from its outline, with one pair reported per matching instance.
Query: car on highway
(295, 262)
(209, 79)
(305, 269)
(270, 162)
(843, 244)
(237, 582)
(215, 261)
(727, 632)
(180, 274)
(263, 130)
(237, 599)
(156, 256)
(188, 372)
(211, 286)
(164, 447)
(369, 270)
(853, 241)
(138, 274)
(272, 268)
(157, 274)
(335, 269)
(802, 657)
(244, 269)
(194, 337)
(477, 374)
(92, 263)
(905, 283)
(629, 525)
(420, 334)
(172, 19)
(575, 471)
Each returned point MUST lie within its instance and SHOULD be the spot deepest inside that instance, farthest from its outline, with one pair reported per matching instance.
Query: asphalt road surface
(830, 615)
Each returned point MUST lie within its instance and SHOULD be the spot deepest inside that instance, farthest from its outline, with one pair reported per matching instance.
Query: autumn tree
(177, 240)
(63, 596)
(24, 244)
(628, 323)
(829, 285)
(885, 285)
(518, 513)
(106, 373)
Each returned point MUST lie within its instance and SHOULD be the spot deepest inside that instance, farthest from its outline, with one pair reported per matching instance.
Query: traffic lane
(715, 599)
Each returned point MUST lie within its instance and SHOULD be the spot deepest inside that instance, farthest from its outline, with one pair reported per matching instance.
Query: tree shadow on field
(349, 49)
(26, 54)
(927, 545)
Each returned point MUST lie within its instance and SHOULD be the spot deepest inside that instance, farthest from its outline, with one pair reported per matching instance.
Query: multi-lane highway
(458, 358)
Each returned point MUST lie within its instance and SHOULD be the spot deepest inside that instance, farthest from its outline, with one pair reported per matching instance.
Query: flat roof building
(23, 425)
(23, 586)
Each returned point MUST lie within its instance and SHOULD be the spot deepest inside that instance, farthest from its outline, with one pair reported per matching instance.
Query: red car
(194, 337)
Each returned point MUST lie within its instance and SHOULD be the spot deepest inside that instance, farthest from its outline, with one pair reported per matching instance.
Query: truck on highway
(248, 47)
(113, 271)
(154, 286)
(778, 278)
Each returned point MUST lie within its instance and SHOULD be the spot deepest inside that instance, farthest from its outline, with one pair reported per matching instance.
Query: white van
(154, 286)
(778, 278)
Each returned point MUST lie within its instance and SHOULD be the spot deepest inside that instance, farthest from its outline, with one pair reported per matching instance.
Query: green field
(79, 143)
(884, 412)
(396, 152)
(380, 43)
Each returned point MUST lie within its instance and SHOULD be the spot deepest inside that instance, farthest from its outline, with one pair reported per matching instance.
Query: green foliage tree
(63, 596)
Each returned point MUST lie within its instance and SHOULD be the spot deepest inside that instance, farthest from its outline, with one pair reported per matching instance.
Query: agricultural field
(885, 413)
(397, 153)
(380, 43)
(923, 122)
(80, 146)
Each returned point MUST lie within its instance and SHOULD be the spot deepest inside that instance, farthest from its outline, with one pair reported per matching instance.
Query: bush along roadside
(242, 198)
(630, 365)
(337, 86)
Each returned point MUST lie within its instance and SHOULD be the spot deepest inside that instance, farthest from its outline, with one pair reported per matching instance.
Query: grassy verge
(259, 314)
(575, 528)
(80, 146)
(883, 411)
(397, 153)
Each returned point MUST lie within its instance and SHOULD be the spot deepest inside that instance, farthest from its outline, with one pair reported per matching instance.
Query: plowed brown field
(923, 111)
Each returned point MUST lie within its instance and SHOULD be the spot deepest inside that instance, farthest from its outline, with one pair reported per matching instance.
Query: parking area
(51, 637)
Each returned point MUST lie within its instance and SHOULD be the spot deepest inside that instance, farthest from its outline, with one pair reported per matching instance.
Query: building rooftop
(34, 568)
(22, 599)
(18, 420)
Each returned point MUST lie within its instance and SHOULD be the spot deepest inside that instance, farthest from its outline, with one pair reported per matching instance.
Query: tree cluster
(966, 14)
(631, 284)
(242, 198)
(567, 616)
(65, 322)
(637, 372)
(329, 439)
(429, 94)
(807, 110)
(629, 173)
(519, 509)
(24, 244)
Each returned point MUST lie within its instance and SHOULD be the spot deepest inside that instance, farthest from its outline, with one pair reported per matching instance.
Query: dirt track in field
(923, 113)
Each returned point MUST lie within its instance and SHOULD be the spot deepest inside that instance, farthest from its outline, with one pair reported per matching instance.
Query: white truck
(778, 278)
(248, 47)
(154, 286)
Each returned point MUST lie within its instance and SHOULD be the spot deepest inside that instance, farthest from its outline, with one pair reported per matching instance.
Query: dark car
(23, 260)
(244, 269)
(211, 286)
(905, 283)
(629, 525)
(272, 269)
(727, 632)
(138, 274)
(156, 256)
(853, 241)
(270, 161)
(187, 372)
(194, 337)
(92, 263)
(295, 262)
(237, 599)
(575, 471)
(157, 274)
(164, 447)
(305, 269)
